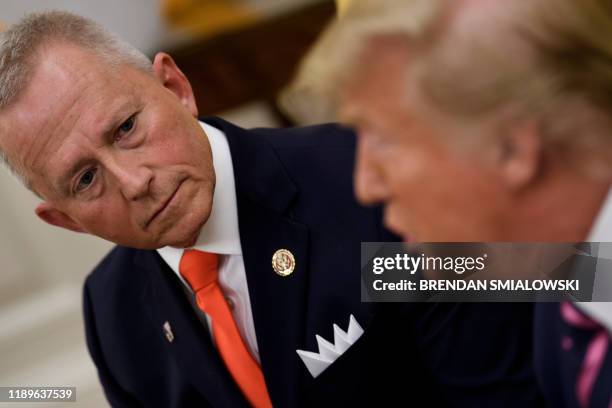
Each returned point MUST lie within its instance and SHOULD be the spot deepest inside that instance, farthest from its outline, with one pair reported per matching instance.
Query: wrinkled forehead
(61, 76)
(69, 90)
(64, 75)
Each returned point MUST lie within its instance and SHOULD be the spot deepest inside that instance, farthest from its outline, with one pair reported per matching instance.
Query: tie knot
(199, 268)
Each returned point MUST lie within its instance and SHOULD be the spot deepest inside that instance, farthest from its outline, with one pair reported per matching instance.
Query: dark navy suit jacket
(294, 191)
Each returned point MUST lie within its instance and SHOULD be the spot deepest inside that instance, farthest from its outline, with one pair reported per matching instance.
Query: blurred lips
(165, 204)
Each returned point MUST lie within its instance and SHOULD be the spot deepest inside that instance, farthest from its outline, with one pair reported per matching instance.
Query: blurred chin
(406, 232)
(395, 225)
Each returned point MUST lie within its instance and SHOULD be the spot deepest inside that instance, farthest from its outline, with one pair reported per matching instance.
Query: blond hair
(558, 72)
(311, 97)
(553, 66)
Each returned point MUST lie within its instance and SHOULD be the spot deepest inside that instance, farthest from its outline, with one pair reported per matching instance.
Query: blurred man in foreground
(490, 123)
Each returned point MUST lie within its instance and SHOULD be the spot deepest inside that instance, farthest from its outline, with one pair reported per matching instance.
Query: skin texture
(143, 174)
(446, 179)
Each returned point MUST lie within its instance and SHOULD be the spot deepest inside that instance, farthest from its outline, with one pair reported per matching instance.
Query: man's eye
(86, 179)
(125, 127)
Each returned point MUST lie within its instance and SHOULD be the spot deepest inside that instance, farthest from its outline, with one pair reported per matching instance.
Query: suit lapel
(264, 194)
(191, 347)
(277, 302)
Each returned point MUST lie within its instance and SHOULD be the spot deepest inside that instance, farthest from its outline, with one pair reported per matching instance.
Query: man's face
(114, 151)
(431, 191)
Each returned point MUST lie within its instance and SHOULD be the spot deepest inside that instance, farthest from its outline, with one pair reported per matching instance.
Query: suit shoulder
(322, 136)
(320, 154)
(117, 268)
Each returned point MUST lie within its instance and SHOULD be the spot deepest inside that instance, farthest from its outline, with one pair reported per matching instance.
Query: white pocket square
(329, 352)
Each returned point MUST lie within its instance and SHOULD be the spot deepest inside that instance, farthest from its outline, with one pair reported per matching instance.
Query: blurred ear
(51, 215)
(520, 153)
(172, 78)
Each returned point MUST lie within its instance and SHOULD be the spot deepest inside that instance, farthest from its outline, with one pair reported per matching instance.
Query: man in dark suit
(266, 218)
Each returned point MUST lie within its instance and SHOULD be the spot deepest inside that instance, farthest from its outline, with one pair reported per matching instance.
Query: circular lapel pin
(283, 262)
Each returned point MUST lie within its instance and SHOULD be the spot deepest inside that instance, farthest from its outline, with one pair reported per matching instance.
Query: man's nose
(134, 180)
(370, 185)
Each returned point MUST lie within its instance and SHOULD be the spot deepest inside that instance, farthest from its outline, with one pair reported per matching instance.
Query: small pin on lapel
(283, 262)
(168, 332)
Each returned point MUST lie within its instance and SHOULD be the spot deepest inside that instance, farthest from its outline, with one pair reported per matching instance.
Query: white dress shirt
(601, 231)
(220, 235)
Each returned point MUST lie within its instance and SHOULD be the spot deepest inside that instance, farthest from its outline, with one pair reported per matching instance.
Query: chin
(179, 237)
(185, 241)
(188, 232)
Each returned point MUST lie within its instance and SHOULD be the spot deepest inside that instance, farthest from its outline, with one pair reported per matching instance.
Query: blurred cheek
(366, 175)
(405, 171)
(418, 184)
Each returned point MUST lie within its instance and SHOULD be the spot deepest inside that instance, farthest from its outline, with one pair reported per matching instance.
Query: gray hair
(21, 43)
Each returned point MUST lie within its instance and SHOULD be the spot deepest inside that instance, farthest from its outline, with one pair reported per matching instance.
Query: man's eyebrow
(105, 130)
(116, 117)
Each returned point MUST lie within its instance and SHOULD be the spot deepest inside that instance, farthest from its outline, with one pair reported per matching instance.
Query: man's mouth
(165, 204)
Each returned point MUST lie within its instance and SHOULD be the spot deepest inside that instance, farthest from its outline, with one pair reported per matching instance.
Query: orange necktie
(200, 270)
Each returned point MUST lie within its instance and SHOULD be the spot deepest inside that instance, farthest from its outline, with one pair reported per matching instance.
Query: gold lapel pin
(283, 262)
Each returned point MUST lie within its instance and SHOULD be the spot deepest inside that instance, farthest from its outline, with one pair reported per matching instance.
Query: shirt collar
(220, 233)
(601, 230)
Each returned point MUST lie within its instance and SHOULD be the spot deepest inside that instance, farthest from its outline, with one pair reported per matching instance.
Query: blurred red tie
(595, 353)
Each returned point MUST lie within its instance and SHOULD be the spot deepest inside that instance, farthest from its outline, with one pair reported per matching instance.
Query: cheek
(480, 184)
(163, 142)
(103, 218)
(408, 181)
(183, 145)
(171, 131)
(412, 171)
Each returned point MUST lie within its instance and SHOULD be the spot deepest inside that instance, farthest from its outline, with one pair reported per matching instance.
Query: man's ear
(521, 156)
(172, 78)
(51, 215)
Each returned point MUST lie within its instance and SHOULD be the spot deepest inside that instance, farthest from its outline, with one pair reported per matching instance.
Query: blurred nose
(134, 180)
(370, 185)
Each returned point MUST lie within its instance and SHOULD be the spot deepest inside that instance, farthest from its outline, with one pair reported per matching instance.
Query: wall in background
(137, 21)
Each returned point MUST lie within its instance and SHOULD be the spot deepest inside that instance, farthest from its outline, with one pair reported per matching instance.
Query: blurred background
(238, 55)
